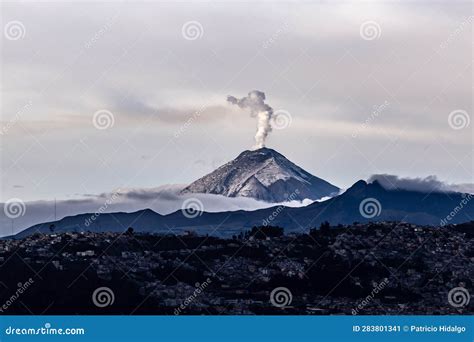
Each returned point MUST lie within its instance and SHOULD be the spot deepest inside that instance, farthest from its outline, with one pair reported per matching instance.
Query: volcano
(263, 174)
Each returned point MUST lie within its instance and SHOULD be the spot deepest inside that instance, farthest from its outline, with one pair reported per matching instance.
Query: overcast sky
(369, 89)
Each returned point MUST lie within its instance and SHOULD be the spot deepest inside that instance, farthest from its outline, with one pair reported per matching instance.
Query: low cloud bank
(164, 200)
(426, 184)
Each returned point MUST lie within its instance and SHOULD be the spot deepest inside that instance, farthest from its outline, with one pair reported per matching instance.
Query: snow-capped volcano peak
(263, 174)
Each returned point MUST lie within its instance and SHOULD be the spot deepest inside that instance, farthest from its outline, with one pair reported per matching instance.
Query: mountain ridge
(394, 205)
(263, 174)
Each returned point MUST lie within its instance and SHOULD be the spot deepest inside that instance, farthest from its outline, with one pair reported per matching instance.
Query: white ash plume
(255, 101)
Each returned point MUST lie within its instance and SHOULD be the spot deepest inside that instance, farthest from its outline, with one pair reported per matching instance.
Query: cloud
(137, 107)
(255, 101)
(426, 184)
(164, 200)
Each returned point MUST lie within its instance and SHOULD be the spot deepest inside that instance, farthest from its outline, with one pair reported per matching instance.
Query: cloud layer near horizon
(164, 200)
(427, 184)
(167, 199)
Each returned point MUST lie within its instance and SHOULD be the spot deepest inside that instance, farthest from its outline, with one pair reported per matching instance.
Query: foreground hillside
(385, 268)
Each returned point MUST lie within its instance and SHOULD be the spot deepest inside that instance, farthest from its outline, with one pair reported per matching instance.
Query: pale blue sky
(311, 60)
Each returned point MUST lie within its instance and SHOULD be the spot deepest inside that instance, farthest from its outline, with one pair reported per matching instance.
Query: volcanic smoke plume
(255, 101)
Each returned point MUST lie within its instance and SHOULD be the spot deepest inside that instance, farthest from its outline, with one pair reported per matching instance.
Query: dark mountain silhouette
(390, 205)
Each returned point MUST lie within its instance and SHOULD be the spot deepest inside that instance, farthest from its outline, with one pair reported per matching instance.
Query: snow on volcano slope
(263, 174)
